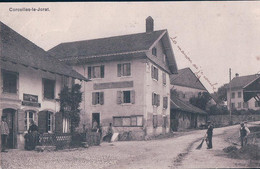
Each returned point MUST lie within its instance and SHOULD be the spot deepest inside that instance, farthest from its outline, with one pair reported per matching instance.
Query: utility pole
(230, 95)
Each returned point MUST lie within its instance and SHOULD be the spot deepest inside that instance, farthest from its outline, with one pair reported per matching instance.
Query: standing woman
(33, 132)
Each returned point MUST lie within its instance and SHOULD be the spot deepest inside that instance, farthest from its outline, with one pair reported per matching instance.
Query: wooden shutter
(153, 99)
(156, 74)
(93, 98)
(102, 71)
(164, 78)
(101, 98)
(158, 100)
(21, 123)
(89, 72)
(58, 122)
(118, 70)
(42, 121)
(132, 93)
(119, 97)
(166, 98)
(165, 102)
(152, 71)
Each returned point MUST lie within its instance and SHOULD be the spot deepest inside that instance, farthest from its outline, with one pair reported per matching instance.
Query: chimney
(149, 24)
(237, 74)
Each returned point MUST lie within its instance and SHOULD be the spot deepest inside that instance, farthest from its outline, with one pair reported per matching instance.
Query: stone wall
(223, 120)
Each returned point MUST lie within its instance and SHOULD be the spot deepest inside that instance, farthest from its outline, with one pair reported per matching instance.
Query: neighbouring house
(244, 92)
(184, 115)
(130, 84)
(31, 80)
(184, 86)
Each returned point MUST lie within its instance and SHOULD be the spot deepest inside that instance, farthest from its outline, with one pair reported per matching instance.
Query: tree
(201, 100)
(70, 100)
(221, 94)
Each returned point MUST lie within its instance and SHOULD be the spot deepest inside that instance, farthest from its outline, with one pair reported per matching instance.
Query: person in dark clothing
(32, 136)
(109, 133)
(209, 135)
(4, 133)
(244, 131)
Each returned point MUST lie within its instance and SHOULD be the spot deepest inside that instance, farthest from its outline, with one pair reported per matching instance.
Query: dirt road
(176, 152)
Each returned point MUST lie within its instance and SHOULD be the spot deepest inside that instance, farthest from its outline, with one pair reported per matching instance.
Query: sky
(208, 37)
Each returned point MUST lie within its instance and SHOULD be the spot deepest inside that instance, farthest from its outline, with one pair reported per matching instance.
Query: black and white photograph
(130, 85)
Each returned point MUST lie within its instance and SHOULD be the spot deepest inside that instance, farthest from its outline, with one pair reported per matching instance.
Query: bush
(216, 110)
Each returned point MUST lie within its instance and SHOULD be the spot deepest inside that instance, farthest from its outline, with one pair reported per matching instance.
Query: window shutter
(132, 96)
(153, 98)
(21, 123)
(164, 78)
(89, 72)
(158, 100)
(156, 74)
(93, 98)
(119, 97)
(128, 69)
(42, 121)
(102, 71)
(166, 98)
(101, 95)
(152, 71)
(58, 122)
(118, 70)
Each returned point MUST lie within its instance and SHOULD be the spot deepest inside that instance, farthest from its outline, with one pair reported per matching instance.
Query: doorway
(96, 117)
(10, 118)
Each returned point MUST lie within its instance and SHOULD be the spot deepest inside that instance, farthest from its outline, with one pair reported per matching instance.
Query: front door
(11, 139)
(96, 117)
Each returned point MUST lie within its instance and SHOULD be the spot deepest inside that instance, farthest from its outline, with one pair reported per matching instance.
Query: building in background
(130, 84)
(238, 99)
(30, 83)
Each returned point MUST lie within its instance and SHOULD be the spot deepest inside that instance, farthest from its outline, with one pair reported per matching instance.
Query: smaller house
(186, 84)
(243, 94)
(184, 115)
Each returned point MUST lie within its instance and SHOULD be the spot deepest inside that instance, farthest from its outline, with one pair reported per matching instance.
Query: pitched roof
(186, 78)
(123, 46)
(241, 81)
(17, 49)
(179, 104)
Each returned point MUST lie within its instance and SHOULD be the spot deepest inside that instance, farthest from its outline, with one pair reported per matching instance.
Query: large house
(239, 86)
(30, 83)
(130, 84)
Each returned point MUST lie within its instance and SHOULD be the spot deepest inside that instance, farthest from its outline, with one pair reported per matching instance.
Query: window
(29, 116)
(154, 51)
(126, 97)
(239, 105)
(233, 95)
(128, 121)
(238, 95)
(232, 105)
(154, 72)
(164, 58)
(124, 69)
(48, 87)
(155, 99)
(164, 78)
(245, 105)
(165, 102)
(49, 121)
(98, 98)
(257, 104)
(155, 121)
(96, 72)
(10, 82)
(65, 125)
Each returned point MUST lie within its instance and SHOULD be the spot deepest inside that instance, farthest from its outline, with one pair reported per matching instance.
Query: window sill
(97, 105)
(49, 100)
(125, 76)
(126, 104)
(155, 80)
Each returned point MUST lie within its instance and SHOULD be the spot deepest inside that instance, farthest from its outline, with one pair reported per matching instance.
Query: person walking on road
(4, 133)
(209, 135)
(244, 132)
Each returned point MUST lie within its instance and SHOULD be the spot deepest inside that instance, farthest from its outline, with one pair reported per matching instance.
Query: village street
(176, 152)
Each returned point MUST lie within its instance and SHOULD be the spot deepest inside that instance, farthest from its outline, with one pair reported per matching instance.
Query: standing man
(244, 131)
(209, 135)
(4, 133)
